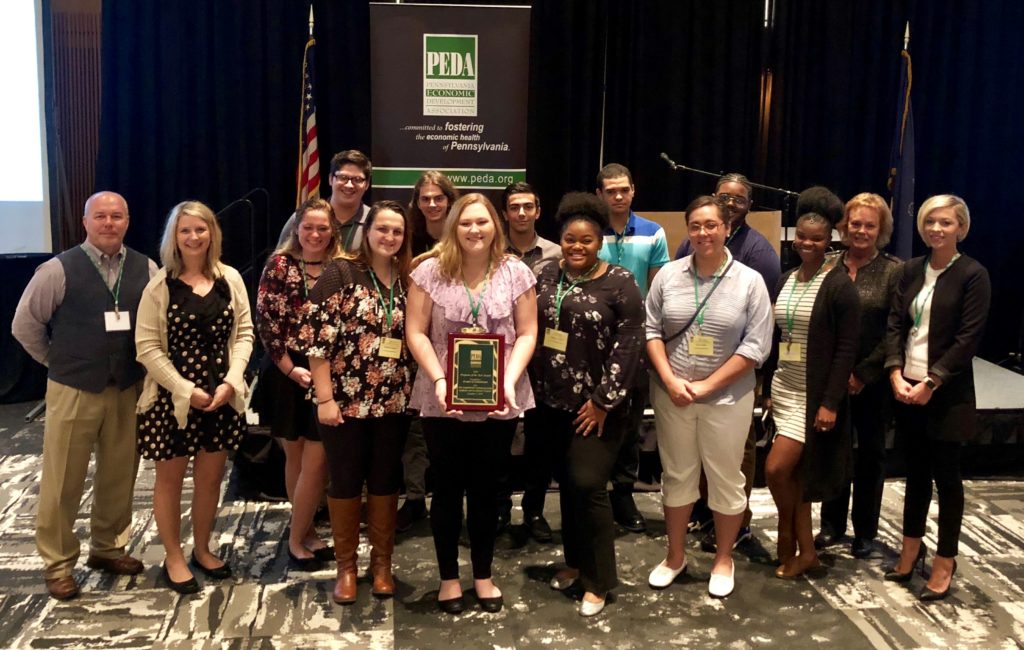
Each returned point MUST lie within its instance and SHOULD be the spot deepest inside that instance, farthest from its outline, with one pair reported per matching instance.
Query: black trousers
(582, 468)
(467, 459)
(930, 461)
(365, 450)
(624, 474)
(869, 411)
(539, 451)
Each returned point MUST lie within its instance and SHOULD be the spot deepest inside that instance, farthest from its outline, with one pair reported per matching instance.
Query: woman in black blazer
(937, 320)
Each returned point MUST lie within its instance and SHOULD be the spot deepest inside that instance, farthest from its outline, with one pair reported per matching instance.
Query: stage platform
(267, 605)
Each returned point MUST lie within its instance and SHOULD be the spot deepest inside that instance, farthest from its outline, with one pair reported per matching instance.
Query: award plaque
(476, 371)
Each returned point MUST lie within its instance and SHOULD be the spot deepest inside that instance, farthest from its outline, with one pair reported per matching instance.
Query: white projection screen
(24, 186)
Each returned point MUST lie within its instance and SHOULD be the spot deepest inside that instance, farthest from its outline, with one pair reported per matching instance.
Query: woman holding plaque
(361, 371)
(284, 381)
(817, 313)
(591, 316)
(709, 325)
(467, 286)
(936, 323)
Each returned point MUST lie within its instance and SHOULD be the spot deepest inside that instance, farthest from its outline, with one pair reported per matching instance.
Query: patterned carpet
(267, 605)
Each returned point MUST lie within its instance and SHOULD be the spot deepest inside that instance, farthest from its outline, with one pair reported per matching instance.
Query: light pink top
(451, 312)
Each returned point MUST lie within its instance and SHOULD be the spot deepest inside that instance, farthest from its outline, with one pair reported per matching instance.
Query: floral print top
(345, 323)
(450, 313)
(604, 318)
(279, 302)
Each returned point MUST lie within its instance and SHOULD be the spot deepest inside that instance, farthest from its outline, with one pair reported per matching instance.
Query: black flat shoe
(324, 553)
(184, 588)
(304, 563)
(491, 605)
(892, 575)
(455, 605)
(625, 512)
(928, 595)
(540, 529)
(219, 573)
(862, 547)
(826, 538)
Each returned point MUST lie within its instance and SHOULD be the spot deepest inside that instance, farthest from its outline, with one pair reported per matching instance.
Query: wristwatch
(930, 383)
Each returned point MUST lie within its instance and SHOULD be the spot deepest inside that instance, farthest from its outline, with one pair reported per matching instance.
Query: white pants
(702, 434)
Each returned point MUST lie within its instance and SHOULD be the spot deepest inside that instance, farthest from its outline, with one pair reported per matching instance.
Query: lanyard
(305, 279)
(560, 295)
(620, 243)
(351, 232)
(701, 308)
(116, 291)
(921, 299)
(791, 314)
(733, 234)
(389, 307)
(474, 307)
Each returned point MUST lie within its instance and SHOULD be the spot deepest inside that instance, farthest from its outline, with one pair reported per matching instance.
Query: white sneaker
(662, 575)
(588, 608)
(720, 586)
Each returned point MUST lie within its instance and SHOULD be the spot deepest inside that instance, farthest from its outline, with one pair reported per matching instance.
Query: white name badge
(390, 348)
(117, 321)
(556, 339)
(702, 346)
(789, 352)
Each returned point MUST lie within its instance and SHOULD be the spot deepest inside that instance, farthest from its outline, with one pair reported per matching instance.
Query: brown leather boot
(345, 528)
(381, 515)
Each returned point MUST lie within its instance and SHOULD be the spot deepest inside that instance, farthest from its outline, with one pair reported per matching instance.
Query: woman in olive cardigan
(818, 338)
(935, 325)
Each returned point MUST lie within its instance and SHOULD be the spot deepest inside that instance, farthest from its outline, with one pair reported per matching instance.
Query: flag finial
(906, 32)
(311, 22)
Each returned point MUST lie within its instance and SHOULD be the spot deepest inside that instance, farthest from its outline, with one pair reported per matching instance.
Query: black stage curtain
(682, 78)
(836, 74)
(201, 100)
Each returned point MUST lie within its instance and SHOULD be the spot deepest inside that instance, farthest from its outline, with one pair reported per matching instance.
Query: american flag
(308, 176)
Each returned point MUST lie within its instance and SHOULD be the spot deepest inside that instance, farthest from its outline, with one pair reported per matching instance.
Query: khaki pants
(77, 422)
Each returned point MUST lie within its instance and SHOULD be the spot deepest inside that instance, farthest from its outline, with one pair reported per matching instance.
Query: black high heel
(927, 595)
(892, 575)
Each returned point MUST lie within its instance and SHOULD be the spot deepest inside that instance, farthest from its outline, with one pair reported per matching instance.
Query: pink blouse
(451, 312)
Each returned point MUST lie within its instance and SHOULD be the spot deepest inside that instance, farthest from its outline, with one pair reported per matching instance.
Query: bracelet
(441, 378)
(324, 401)
(290, 372)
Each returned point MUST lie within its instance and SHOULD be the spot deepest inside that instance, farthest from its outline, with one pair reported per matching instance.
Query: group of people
(355, 308)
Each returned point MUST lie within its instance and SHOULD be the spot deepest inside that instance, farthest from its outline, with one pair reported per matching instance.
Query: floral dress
(604, 319)
(345, 323)
(198, 331)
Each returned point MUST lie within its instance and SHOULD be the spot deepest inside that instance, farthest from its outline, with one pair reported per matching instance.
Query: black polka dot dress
(198, 333)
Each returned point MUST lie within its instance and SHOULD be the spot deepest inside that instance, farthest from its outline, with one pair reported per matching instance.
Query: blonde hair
(291, 246)
(170, 256)
(448, 251)
(873, 202)
(939, 201)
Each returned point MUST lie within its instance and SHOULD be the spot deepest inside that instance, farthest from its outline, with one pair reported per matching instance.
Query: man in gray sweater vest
(77, 317)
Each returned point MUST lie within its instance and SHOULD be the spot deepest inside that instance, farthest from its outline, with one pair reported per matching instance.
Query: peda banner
(449, 91)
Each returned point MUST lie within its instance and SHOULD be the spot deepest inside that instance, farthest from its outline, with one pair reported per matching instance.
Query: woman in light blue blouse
(709, 324)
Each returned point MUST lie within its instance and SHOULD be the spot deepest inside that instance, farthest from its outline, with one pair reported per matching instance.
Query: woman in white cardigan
(194, 336)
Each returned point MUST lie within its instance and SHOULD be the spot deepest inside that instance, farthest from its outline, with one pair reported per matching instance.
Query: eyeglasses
(739, 201)
(345, 179)
(709, 227)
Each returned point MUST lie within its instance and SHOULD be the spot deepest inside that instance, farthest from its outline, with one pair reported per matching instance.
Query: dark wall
(201, 100)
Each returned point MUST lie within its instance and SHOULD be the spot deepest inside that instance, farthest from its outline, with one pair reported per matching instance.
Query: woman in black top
(936, 323)
(590, 318)
(865, 229)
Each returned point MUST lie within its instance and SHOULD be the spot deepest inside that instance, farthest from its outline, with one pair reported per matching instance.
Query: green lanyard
(474, 307)
(917, 306)
(351, 233)
(560, 295)
(619, 245)
(116, 291)
(305, 279)
(791, 314)
(389, 307)
(718, 275)
(733, 234)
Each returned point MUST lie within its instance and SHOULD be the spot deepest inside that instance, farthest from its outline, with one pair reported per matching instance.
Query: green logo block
(450, 74)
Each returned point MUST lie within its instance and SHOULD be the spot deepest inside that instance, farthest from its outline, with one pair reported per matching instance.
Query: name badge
(556, 339)
(789, 352)
(702, 346)
(117, 321)
(390, 348)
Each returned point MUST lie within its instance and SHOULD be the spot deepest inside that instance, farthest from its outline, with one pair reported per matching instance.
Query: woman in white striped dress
(817, 314)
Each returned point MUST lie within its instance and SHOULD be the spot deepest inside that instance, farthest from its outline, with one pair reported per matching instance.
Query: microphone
(671, 163)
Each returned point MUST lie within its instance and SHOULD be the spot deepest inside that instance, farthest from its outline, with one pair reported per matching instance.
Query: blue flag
(901, 167)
